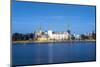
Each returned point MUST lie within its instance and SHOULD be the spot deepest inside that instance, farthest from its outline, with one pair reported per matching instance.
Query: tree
(93, 35)
(83, 37)
(73, 37)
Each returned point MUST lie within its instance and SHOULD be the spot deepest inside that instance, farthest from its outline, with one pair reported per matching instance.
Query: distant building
(42, 38)
(58, 35)
(77, 37)
(50, 35)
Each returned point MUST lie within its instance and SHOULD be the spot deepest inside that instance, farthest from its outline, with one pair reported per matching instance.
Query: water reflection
(50, 53)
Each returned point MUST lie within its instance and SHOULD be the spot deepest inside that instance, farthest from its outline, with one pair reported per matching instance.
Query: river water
(47, 53)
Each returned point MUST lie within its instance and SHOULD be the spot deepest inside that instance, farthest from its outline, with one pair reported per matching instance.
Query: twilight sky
(29, 16)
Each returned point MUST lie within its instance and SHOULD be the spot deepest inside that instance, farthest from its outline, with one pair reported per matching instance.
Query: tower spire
(68, 28)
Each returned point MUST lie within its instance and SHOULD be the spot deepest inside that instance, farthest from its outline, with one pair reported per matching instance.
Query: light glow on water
(50, 53)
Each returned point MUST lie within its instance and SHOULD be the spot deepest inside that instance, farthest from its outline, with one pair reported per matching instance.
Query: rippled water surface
(44, 53)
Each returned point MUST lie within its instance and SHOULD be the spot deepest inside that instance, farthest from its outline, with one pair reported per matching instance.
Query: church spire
(68, 28)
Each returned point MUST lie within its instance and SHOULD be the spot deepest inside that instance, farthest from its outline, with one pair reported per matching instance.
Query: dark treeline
(92, 36)
(20, 36)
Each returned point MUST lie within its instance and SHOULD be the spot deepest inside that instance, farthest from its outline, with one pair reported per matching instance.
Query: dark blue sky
(28, 16)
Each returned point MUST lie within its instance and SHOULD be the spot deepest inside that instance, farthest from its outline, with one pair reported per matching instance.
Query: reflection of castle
(50, 35)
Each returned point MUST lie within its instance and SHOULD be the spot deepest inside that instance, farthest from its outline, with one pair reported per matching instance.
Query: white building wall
(57, 36)
(50, 33)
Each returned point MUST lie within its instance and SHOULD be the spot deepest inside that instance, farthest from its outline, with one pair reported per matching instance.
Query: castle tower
(68, 31)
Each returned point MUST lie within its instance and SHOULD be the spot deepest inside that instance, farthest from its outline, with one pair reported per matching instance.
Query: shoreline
(50, 41)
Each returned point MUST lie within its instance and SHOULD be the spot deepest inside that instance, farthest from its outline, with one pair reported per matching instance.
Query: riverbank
(51, 41)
